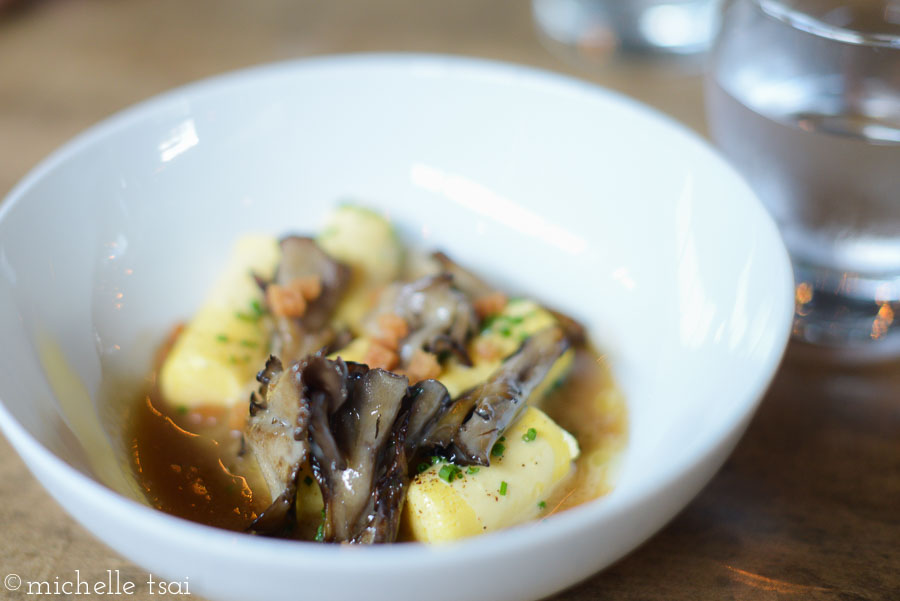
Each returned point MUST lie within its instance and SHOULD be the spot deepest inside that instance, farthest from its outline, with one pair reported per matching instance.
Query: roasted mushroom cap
(476, 288)
(463, 279)
(302, 258)
(301, 334)
(439, 317)
(430, 402)
(471, 427)
(361, 427)
(357, 443)
(276, 435)
(353, 424)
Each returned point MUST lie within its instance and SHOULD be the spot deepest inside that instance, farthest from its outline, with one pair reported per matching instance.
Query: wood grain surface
(808, 507)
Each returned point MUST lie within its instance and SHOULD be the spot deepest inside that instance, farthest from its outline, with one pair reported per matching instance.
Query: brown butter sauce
(188, 462)
(185, 471)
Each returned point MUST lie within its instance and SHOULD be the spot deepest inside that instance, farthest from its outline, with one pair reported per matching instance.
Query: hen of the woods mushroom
(346, 389)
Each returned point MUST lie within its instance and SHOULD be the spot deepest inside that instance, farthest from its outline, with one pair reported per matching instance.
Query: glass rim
(777, 9)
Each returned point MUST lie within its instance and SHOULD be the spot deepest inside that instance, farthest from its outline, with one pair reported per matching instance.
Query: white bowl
(581, 197)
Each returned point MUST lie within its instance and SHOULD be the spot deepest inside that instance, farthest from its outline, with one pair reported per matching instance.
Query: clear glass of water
(592, 29)
(804, 97)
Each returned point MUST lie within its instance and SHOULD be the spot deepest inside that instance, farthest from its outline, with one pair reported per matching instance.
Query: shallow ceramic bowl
(556, 188)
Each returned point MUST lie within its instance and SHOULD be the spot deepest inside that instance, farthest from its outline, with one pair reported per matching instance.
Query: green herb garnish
(556, 384)
(320, 533)
(530, 435)
(498, 449)
(249, 344)
(221, 337)
(423, 466)
(182, 409)
(472, 469)
(490, 320)
(542, 504)
(503, 488)
(449, 473)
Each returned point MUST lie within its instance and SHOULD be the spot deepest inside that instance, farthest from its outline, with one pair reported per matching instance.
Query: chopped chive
(498, 449)
(256, 308)
(323, 513)
(249, 344)
(423, 466)
(182, 409)
(308, 481)
(502, 439)
(449, 472)
(502, 490)
(490, 320)
(505, 331)
(542, 504)
(221, 337)
(246, 317)
(472, 469)
(435, 459)
(557, 384)
(320, 533)
(530, 435)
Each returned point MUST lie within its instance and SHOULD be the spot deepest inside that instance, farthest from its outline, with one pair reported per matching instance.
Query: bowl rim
(556, 527)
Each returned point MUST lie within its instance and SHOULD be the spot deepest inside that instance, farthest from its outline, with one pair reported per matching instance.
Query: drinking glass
(803, 96)
(592, 29)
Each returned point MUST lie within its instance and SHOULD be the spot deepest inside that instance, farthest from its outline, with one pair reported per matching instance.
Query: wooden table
(808, 507)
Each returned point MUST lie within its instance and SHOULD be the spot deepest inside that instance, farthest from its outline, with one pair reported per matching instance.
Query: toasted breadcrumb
(486, 349)
(381, 356)
(422, 366)
(285, 301)
(310, 287)
(291, 300)
(393, 329)
(490, 304)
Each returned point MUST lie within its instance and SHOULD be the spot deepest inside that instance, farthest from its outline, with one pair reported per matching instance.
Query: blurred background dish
(588, 31)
